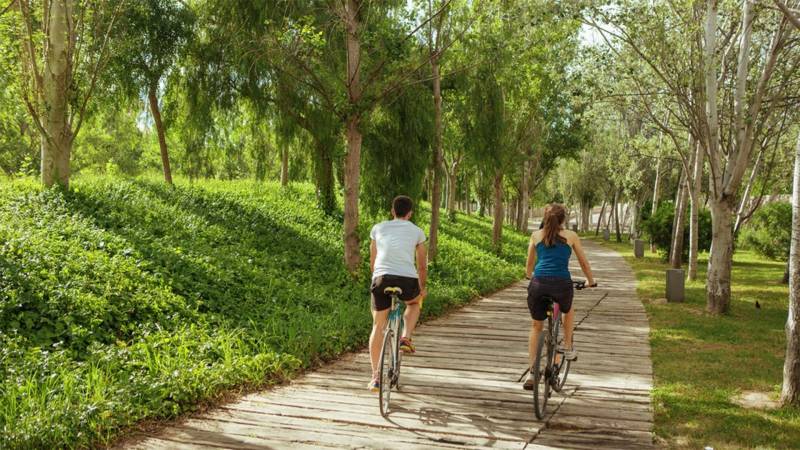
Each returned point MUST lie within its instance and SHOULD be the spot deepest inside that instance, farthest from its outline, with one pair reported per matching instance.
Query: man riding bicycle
(549, 250)
(394, 246)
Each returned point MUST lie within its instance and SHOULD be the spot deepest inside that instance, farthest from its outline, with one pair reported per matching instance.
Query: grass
(701, 362)
(125, 300)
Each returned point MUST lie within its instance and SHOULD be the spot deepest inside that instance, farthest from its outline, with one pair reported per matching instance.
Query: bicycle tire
(541, 386)
(387, 363)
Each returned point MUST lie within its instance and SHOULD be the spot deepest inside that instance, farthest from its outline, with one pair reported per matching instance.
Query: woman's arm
(531, 258)
(587, 269)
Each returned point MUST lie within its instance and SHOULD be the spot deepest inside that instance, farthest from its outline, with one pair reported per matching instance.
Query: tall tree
(63, 51)
(790, 392)
(148, 38)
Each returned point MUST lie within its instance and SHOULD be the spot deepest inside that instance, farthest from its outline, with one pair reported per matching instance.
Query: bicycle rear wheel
(541, 373)
(387, 371)
(398, 356)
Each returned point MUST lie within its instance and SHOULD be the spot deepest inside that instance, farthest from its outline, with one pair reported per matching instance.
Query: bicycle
(546, 373)
(390, 354)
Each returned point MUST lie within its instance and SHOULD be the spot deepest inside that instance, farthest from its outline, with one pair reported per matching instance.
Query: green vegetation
(658, 227)
(702, 362)
(769, 231)
(122, 300)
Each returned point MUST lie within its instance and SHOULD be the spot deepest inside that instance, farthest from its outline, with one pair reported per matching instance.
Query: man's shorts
(381, 301)
(559, 289)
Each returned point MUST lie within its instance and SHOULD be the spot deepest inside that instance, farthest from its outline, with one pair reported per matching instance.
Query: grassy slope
(701, 362)
(125, 299)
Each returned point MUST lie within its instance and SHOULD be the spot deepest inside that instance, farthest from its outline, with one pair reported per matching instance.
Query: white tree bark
(56, 78)
(790, 392)
(694, 223)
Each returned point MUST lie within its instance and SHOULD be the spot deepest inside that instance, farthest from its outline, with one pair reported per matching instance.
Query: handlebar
(581, 284)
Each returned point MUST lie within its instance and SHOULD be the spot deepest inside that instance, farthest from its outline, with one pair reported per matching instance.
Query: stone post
(675, 285)
(638, 248)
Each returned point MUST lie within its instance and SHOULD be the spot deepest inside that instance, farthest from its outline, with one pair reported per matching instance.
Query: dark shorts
(381, 301)
(559, 289)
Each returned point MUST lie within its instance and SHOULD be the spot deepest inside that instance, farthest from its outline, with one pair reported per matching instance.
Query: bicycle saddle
(392, 291)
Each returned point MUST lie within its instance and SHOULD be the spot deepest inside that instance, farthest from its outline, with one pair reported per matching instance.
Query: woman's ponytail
(554, 217)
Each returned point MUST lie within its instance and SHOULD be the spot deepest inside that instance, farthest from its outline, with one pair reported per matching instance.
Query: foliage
(659, 228)
(769, 231)
(128, 299)
(397, 150)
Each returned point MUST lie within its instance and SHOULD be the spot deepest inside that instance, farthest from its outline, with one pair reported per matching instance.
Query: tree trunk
(679, 223)
(352, 256)
(586, 216)
(452, 187)
(497, 229)
(525, 200)
(285, 166)
(616, 217)
(745, 203)
(57, 143)
(720, 261)
(600, 218)
(436, 198)
(790, 393)
(634, 231)
(162, 138)
(694, 223)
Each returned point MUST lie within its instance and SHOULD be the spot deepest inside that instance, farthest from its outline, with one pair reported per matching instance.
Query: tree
(63, 51)
(148, 38)
(790, 392)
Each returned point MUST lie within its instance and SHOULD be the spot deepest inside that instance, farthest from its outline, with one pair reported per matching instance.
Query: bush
(769, 231)
(659, 228)
(124, 300)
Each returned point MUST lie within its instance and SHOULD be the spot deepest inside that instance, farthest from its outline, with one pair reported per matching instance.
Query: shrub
(769, 231)
(659, 228)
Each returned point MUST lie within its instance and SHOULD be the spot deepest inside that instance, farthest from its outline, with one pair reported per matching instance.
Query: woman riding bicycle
(549, 251)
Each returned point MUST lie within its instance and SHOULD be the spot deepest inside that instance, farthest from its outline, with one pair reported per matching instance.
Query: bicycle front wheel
(562, 370)
(387, 371)
(541, 374)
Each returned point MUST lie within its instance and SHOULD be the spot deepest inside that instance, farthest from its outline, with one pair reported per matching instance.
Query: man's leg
(410, 318)
(379, 319)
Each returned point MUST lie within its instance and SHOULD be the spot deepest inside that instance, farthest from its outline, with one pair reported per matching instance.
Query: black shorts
(560, 290)
(381, 301)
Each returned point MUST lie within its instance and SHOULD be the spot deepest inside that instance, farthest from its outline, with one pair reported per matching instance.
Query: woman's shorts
(560, 290)
(381, 301)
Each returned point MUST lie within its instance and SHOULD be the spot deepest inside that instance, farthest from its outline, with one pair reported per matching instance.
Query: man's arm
(422, 268)
(531, 259)
(373, 253)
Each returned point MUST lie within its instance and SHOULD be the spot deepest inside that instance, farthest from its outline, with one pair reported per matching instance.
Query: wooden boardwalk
(460, 389)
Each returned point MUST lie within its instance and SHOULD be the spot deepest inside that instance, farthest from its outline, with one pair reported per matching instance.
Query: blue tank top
(552, 261)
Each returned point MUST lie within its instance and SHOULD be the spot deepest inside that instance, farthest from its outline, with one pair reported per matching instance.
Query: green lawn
(701, 361)
(125, 299)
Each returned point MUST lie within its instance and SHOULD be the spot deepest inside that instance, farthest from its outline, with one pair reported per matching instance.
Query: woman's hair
(554, 217)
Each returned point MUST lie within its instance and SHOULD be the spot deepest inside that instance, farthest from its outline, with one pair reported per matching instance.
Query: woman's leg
(569, 323)
(533, 339)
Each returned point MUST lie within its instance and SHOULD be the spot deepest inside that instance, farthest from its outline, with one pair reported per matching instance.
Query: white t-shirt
(397, 242)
